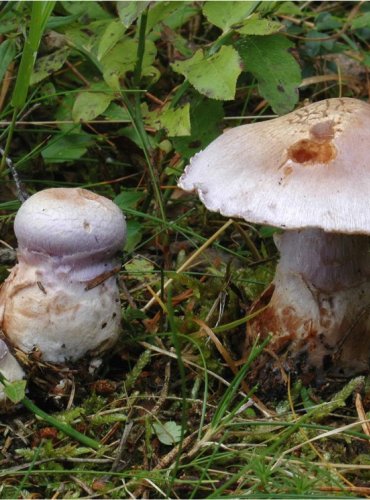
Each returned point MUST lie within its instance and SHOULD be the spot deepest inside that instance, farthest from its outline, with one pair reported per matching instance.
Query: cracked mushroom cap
(310, 168)
(64, 222)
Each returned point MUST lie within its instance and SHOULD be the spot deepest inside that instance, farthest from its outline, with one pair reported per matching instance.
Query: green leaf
(112, 35)
(47, 65)
(206, 120)
(134, 235)
(66, 148)
(213, 76)
(7, 54)
(129, 11)
(168, 433)
(116, 112)
(16, 390)
(89, 105)
(362, 21)
(256, 26)
(225, 14)
(277, 72)
(139, 267)
(122, 58)
(88, 9)
(176, 121)
(129, 199)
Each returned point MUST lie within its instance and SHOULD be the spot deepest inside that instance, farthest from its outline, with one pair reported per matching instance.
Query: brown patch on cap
(310, 152)
(323, 131)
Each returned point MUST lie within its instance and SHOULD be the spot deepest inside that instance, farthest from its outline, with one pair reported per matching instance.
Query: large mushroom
(308, 173)
(62, 299)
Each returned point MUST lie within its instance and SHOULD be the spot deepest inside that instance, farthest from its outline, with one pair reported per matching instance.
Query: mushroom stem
(319, 312)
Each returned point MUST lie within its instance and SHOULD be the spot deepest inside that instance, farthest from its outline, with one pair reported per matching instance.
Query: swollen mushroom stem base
(319, 311)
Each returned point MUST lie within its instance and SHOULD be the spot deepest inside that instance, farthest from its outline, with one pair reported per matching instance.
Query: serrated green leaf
(89, 105)
(122, 58)
(7, 54)
(176, 121)
(129, 11)
(66, 148)
(214, 76)
(256, 26)
(225, 14)
(277, 72)
(168, 433)
(112, 35)
(205, 118)
(16, 390)
(47, 65)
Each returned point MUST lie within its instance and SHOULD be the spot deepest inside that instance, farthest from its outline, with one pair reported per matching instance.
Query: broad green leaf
(138, 267)
(122, 58)
(88, 9)
(86, 38)
(115, 112)
(214, 76)
(47, 65)
(277, 72)
(171, 14)
(66, 148)
(289, 9)
(129, 199)
(160, 11)
(225, 14)
(256, 26)
(362, 21)
(206, 120)
(7, 55)
(112, 34)
(134, 235)
(16, 390)
(176, 121)
(129, 11)
(89, 105)
(168, 433)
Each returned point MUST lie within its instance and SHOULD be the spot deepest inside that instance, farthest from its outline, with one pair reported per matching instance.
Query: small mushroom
(307, 172)
(9, 368)
(62, 299)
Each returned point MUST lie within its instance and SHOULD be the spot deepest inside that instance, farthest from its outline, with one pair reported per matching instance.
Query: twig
(21, 191)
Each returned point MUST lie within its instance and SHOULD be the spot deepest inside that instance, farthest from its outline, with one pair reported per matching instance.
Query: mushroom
(62, 297)
(9, 368)
(308, 173)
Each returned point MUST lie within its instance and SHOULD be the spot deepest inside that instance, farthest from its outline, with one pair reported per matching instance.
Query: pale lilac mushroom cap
(62, 298)
(309, 168)
(73, 225)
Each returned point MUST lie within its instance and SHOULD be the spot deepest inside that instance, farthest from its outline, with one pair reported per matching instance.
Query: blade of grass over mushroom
(39, 15)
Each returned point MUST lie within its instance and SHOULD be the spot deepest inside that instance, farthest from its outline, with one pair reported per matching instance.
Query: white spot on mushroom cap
(247, 172)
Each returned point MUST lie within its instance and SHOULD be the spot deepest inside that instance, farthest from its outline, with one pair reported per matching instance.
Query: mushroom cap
(67, 221)
(309, 168)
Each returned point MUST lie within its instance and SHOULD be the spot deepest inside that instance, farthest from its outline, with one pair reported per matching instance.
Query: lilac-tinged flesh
(319, 311)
